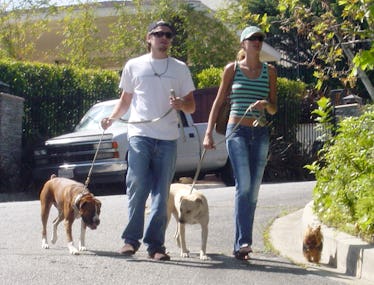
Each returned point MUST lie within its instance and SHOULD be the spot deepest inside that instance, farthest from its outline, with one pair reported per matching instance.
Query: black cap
(154, 25)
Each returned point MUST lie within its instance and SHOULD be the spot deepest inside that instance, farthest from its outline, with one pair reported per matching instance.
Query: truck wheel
(227, 175)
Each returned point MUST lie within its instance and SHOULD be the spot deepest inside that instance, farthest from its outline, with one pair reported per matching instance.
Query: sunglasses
(256, 38)
(168, 35)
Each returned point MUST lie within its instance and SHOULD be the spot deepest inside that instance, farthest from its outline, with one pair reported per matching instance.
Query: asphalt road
(23, 261)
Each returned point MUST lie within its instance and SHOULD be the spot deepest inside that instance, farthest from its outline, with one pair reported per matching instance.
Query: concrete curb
(342, 253)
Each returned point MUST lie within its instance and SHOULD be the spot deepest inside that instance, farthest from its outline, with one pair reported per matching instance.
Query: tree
(81, 43)
(19, 28)
(127, 33)
(201, 40)
(209, 42)
(339, 30)
(239, 14)
(331, 38)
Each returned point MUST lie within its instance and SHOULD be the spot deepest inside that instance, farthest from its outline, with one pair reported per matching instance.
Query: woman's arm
(224, 88)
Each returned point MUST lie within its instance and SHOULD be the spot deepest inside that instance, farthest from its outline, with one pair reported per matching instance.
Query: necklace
(155, 73)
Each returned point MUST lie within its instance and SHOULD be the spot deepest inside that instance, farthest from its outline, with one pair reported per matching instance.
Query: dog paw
(72, 249)
(82, 248)
(203, 256)
(185, 254)
(45, 244)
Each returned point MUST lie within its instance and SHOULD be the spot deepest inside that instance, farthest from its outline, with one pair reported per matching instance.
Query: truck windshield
(91, 120)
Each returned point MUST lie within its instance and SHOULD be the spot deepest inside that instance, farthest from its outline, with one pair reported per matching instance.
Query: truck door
(188, 154)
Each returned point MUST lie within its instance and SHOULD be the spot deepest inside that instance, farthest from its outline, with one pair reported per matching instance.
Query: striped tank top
(246, 91)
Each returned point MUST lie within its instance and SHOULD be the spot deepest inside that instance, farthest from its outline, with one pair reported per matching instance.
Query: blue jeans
(151, 166)
(248, 149)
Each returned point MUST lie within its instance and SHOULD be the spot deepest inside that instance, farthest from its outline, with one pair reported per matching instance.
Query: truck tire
(226, 174)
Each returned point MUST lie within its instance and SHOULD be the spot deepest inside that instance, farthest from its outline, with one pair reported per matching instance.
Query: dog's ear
(98, 202)
(81, 204)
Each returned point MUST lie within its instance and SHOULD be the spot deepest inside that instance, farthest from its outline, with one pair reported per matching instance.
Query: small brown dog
(72, 200)
(313, 244)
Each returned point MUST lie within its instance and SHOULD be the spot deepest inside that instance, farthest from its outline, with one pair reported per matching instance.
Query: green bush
(209, 77)
(290, 94)
(344, 193)
(56, 96)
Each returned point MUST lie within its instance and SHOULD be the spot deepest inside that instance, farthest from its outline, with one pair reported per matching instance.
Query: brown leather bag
(224, 111)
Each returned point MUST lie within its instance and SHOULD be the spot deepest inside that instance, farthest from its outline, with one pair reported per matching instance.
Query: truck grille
(76, 153)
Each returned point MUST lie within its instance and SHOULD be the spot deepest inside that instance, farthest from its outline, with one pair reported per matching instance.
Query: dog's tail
(53, 176)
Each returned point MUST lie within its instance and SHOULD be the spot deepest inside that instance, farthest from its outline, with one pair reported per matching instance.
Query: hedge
(56, 97)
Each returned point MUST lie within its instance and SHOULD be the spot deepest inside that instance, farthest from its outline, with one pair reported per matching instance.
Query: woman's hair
(240, 55)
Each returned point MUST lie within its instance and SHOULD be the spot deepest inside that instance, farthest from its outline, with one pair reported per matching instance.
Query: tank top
(246, 91)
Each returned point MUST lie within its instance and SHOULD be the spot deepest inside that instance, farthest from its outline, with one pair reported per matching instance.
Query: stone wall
(11, 113)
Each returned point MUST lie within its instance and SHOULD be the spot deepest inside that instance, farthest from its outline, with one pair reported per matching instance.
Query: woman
(253, 84)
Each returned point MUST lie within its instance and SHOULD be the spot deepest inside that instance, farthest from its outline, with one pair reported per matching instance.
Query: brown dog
(72, 200)
(188, 208)
(313, 244)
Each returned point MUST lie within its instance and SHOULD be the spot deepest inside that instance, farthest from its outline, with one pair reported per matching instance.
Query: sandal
(127, 250)
(243, 253)
(160, 256)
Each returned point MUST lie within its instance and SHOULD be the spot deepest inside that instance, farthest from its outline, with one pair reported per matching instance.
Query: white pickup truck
(71, 155)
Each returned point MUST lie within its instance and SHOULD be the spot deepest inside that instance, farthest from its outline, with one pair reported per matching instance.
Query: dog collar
(79, 197)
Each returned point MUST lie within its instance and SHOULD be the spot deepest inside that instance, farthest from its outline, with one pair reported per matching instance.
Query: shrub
(290, 94)
(344, 193)
(56, 96)
(209, 77)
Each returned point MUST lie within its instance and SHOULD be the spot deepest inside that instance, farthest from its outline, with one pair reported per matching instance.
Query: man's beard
(162, 49)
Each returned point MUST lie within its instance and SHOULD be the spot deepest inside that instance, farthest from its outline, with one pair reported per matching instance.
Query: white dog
(188, 208)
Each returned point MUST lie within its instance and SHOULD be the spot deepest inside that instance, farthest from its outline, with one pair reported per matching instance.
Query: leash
(93, 161)
(102, 135)
(258, 122)
(148, 121)
(172, 94)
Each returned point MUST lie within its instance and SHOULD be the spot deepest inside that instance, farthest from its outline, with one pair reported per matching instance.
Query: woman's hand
(260, 105)
(208, 142)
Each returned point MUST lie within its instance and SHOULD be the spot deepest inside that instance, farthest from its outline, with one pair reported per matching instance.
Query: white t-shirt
(151, 94)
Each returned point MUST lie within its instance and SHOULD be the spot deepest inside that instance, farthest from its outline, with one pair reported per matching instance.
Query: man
(146, 84)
